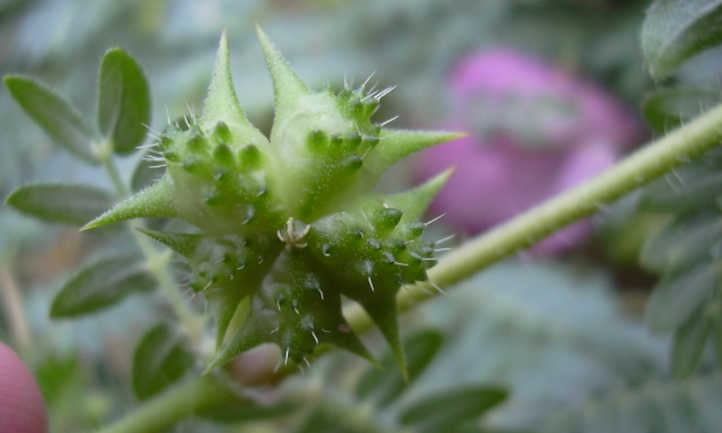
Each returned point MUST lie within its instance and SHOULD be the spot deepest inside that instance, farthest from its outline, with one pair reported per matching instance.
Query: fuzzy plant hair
(286, 225)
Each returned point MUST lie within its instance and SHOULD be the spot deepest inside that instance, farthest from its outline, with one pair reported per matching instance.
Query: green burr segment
(286, 226)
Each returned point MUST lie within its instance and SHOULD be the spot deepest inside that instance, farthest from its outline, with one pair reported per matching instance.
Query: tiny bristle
(435, 219)
(436, 286)
(378, 96)
(445, 239)
(388, 121)
(366, 81)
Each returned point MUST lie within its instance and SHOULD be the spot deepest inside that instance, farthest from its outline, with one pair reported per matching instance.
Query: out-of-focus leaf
(690, 190)
(677, 297)
(689, 343)
(146, 173)
(446, 409)
(160, 359)
(62, 203)
(717, 338)
(102, 284)
(666, 109)
(57, 117)
(660, 407)
(688, 252)
(675, 30)
(682, 243)
(332, 416)
(236, 412)
(123, 101)
(54, 375)
(387, 383)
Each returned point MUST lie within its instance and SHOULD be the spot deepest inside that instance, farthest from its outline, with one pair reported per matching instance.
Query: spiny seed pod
(288, 225)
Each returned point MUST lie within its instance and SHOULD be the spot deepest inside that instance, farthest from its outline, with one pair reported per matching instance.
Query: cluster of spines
(286, 230)
(339, 156)
(218, 260)
(227, 177)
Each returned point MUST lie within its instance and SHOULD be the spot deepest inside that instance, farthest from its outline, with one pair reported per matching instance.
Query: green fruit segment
(285, 227)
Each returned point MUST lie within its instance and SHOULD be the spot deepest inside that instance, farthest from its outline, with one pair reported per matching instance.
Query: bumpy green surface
(288, 225)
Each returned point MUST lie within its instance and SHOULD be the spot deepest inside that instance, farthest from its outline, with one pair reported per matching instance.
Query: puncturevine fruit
(286, 226)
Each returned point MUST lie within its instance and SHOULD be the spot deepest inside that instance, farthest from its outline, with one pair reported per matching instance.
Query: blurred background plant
(549, 342)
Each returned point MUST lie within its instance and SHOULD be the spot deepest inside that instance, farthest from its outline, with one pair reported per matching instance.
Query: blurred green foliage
(554, 335)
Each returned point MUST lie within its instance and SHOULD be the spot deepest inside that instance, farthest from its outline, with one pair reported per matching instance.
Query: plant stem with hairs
(157, 263)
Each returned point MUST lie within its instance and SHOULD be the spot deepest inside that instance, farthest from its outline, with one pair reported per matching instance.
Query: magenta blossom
(535, 132)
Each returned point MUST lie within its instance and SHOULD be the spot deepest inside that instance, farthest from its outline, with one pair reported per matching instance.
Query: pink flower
(535, 131)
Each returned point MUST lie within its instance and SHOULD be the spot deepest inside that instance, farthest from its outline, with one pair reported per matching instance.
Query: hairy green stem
(158, 264)
(643, 166)
(163, 411)
(120, 187)
(676, 148)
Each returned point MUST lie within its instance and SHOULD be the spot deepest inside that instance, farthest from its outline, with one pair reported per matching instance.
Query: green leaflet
(690, 339)
(676, 298)
(123, 101)
(447, 408)
(63, 203)
(161, 358)
(57, 117)
(101, 284)
(675, 30)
